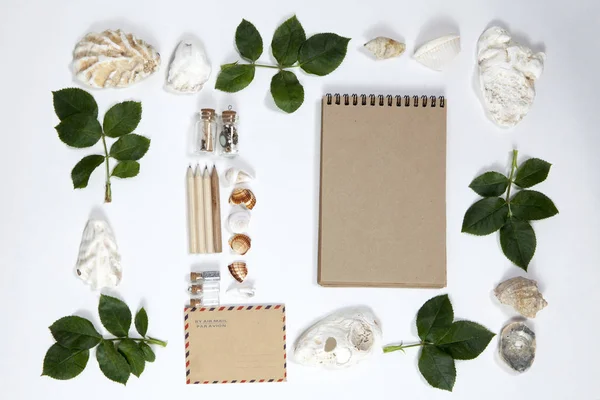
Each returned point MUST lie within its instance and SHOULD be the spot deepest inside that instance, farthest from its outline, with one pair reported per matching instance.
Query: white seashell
(522, 294)
(238, 221)
(241, 291)
(99, 261)
(234, 176)
(340, 340)
(113, 59)
(439, 52)
(507, 75)
(190, 68)
(383, 47)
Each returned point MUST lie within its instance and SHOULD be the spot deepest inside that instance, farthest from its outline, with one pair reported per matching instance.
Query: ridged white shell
(113, 59)
(99, 261)
(238, 221)
(439, 52)
(190, 68)
(235, 176)
(383, 47)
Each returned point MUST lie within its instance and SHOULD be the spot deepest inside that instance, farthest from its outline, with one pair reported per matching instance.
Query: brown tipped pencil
(208, 217)
(216, 210)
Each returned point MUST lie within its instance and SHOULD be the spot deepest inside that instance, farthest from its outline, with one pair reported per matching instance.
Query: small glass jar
(206, 131)
(228, 138)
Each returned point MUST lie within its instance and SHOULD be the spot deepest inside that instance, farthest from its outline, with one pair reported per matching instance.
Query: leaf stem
(107, 191)
(401, 347)
(513, 168)
(149, 340)
(267, 66)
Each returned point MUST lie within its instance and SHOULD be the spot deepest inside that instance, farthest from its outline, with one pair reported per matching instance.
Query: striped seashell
(238, 270)
(113, 59)
(240, 243)
(243, 197)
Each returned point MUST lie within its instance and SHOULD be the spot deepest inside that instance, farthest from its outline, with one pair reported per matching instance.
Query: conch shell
(113, 59)
(240, 243)
(238, 270)
(383, 47)
(241, 196)
(439, 52)
(522, 294)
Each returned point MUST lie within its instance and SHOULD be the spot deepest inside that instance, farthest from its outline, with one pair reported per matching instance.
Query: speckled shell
(113, 59)
(517, 346)
(240, 243)
(383, 47)
(244, 197)
(522, 294)
(238, 270)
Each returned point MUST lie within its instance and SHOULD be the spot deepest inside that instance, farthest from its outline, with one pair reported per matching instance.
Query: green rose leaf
(532, 172)
(287, 92)
(115, 315)
(437, 367)
(517, 239)
(235, 77)
(112, 364)
(63, 363)
(486, 216)
(287, 40)
(248, 41)
(141, 322)
(126, 169)
(73, 101)
(490, 184)
(75, 333)
(148, 353)
(322, 53)
(530, 205)
(130, 147)
(122, 118)
(80, 175)
(134, 356)
(434, 318)
(79, 130)
(465, 340)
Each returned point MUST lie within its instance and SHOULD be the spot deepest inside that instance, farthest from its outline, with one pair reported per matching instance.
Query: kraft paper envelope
(235, 344)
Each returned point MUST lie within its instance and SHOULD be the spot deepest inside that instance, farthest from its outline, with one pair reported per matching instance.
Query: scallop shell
(383, 47)
(113, 59)
(234, 176)
(190, 68)
(238, 270)
(522, 294)
(244, 197)
(238, 221)
(439, 52)
(517, 346)
(240, 243)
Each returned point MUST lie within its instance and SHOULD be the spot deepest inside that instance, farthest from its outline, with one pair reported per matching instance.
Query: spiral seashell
(243, 197)
(238, 221)
(238, 270)
(522, 294)
(240, 243)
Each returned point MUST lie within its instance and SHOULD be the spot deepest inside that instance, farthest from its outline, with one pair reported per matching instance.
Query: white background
(42, 217)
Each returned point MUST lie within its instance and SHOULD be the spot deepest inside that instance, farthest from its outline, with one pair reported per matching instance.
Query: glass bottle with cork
(207, 133)
(228, 138)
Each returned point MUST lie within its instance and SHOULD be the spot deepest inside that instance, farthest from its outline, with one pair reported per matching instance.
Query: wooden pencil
(200, 224)
(191, 200)
(208, 219)
(216, 210)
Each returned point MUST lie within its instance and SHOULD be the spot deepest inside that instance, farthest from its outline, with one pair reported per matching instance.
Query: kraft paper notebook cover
(235, 344)
(383, 191)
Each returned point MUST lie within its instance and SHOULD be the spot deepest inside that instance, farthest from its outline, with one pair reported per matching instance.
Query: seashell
(238, 221)
(439, 52)
(507, 75)
(383, 47)
(245, 292)
(190, 68)
(238, 270)
(234, 176)
(522, 294)
(240, 243)
(241, 196)
(99, 261)
(340, 340)
(113, 59)
(517, 346)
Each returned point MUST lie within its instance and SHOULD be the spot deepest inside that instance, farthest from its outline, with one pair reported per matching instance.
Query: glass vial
(228, 138)
(206, 131)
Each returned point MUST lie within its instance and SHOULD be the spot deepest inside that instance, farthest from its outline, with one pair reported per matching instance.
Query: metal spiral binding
(381, 100)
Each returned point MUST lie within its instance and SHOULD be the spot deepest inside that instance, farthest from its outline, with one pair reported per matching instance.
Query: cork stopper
(195, 289)
(195, 276)
(228, 116)
(195, 303)
(207, 113)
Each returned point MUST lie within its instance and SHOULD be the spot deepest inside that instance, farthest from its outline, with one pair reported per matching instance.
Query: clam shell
(241, 196)
(113, 59)
(522, 294)
(240, 243)
(439, 52)
(234, 176)
(383, 47)
(238, 270)
(517, 346)
(238, 221)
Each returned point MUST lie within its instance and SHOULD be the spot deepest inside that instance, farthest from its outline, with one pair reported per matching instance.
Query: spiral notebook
(383, 191)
